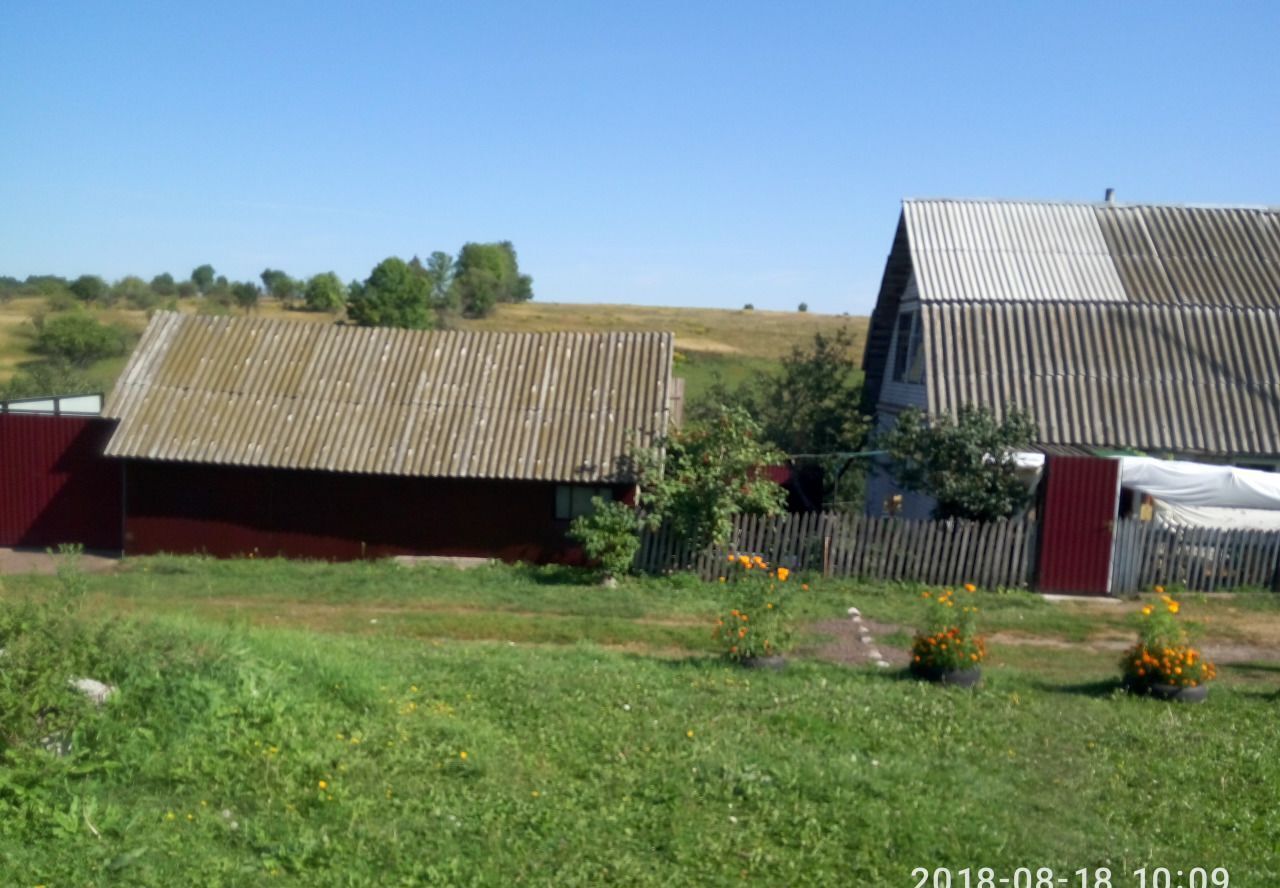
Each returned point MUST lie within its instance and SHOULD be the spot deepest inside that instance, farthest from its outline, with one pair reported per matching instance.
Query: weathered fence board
(1205, 559)
(890, 549)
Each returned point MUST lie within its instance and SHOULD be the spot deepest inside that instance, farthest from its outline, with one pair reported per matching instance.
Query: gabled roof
(1149, 327)
(249, 392)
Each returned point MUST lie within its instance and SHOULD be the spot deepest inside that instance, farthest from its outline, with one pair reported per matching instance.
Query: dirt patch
(38, 561)
(844, 644)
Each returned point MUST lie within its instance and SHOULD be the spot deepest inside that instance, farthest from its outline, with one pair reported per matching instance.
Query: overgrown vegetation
(808, 409)
(966, 462)
(696, 479)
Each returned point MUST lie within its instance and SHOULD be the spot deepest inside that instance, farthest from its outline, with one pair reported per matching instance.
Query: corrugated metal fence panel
(55, 485)
(253, 392)
(992, 554)
(1078, 526)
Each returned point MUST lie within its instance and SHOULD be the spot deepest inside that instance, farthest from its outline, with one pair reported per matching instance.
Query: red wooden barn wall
(55, 486)
(1078, 526)
(229, 511)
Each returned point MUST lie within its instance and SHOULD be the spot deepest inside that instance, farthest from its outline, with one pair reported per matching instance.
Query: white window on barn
(908, 348)
(573, 500)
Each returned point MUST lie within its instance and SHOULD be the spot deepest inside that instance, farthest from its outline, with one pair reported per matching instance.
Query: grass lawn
(365, 724)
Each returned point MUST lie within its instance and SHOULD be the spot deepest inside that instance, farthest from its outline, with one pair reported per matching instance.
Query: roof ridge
(1101, 204)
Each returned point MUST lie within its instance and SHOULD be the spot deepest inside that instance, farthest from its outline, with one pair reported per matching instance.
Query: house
(1135, 328)
(1119, 328)
(244, 435)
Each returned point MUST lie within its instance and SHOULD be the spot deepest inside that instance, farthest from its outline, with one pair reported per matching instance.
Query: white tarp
(1198, 484)
(1175, 515)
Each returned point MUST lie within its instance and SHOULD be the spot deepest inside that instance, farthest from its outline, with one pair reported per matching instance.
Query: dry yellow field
(710, 343)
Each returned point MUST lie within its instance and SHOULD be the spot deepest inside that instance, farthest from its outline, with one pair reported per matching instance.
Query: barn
(241, 436)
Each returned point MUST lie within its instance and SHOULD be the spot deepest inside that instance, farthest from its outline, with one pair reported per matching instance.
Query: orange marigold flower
(1146, 611)
(1173, 607)
(969, 587)
(783, 573)
(804, 586)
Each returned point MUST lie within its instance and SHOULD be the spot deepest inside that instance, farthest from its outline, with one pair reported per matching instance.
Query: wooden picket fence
(990, 554)
(1147, 554)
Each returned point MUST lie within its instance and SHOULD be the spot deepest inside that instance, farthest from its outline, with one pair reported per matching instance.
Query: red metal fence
(55, 486)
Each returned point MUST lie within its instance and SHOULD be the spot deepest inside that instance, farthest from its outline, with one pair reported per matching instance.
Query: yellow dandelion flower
(463, 755)
(1146, 611)
(689, 734)
(323, 784)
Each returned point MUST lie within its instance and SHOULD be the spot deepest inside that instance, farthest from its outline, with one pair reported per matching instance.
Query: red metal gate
(1078, 524)
(55, 484)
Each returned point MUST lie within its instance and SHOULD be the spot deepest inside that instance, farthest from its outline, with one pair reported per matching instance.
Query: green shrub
(610, 535)
(78, 339)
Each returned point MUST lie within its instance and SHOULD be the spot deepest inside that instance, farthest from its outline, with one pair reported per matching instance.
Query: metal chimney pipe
(1110, 196)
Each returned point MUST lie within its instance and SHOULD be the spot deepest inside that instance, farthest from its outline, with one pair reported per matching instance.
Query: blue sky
(708, 154)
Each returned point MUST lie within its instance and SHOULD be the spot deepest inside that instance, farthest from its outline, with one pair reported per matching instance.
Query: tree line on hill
(396, 293)
(414, 294)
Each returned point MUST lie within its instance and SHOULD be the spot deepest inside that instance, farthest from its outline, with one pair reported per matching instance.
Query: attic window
(908, 348)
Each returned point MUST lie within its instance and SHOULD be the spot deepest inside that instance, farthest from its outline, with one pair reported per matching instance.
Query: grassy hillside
(709, 342)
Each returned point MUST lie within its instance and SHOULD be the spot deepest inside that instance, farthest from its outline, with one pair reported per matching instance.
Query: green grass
(630, 757)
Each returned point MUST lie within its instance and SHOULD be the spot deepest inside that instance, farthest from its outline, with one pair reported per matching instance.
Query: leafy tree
(698, 478)
(163, 285)
(809, 408)
(610, 535)
(393, 295)
(280, 285)
(77, 339)
(486, 274)
(202, 277)
(966, 464)
(135, 292)
(46, 285)
(802, 307)
(324, 292)
(246, 295)
(219, 293)
(440, 277)
(90, 288)
(187, 289)
(812, 405)
(47, 378)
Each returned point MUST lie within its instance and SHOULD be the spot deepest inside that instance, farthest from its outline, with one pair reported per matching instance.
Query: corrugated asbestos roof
(965, 251)
(1150, 327)
(251, 392)
(1200, 379)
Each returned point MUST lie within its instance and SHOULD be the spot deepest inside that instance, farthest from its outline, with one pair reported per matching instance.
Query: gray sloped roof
(251, 392)
(1152, 327)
